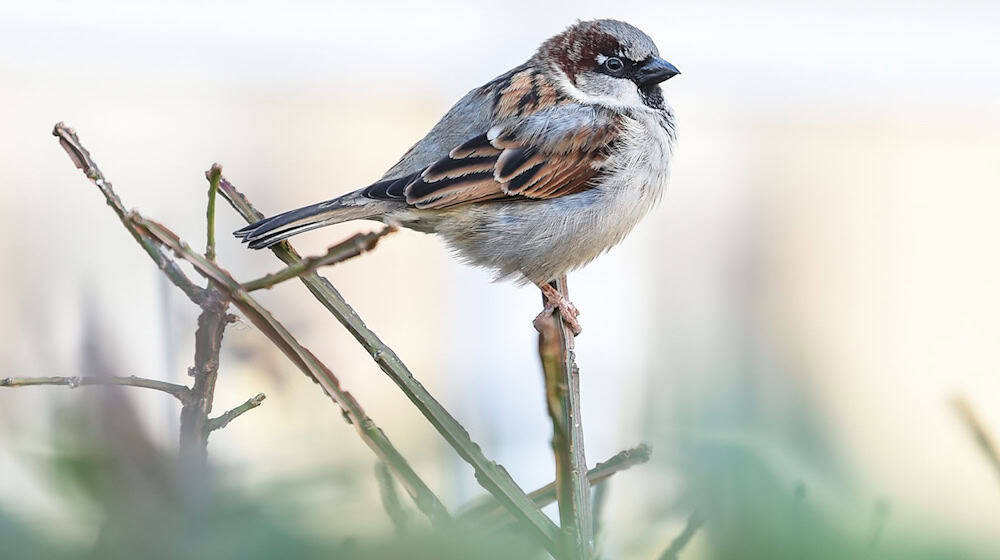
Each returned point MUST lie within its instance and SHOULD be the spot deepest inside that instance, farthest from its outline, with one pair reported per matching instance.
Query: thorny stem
(180, 392)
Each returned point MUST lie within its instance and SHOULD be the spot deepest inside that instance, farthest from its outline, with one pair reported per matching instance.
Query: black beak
(655, 71)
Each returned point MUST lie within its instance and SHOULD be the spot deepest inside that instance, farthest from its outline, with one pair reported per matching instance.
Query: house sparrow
(535, 173)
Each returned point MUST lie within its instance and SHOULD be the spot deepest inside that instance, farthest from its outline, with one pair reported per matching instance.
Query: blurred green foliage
(150, 511)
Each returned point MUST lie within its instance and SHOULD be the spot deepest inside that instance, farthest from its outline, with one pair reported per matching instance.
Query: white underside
(540, 240)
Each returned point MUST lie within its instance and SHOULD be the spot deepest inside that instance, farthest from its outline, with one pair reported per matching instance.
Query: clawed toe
(555, 300)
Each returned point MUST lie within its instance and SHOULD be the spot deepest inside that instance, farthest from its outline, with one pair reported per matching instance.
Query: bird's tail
(269, 231)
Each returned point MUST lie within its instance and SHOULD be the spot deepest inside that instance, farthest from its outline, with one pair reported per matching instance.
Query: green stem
(213, 187)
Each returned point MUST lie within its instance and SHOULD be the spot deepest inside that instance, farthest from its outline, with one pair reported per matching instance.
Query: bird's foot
(555, 300)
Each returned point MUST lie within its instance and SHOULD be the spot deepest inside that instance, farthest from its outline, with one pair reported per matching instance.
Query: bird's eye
(614, 65)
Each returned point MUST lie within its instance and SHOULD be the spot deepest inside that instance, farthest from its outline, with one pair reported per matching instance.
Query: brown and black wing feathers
(545, 146)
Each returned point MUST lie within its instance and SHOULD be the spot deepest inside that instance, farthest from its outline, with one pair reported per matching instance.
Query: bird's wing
(551, 152)
(473, 114)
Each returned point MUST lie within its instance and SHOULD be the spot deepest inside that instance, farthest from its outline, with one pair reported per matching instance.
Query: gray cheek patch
(596, 84)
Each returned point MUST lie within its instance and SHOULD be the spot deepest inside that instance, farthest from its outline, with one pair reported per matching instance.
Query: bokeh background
(787, 329)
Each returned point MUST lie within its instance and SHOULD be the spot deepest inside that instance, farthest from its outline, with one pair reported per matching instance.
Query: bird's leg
(555, 300)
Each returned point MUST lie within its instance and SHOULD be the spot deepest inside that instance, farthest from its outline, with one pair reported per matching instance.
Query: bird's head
(607, 62)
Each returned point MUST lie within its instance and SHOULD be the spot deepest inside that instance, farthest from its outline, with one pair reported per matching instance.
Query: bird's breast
(538, 240)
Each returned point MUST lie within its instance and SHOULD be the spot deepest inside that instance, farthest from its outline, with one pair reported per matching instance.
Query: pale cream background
(833, 209)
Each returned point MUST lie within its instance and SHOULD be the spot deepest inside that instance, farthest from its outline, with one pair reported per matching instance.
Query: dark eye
(614, 65)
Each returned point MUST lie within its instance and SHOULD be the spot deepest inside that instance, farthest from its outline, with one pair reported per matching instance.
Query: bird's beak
(655, 71)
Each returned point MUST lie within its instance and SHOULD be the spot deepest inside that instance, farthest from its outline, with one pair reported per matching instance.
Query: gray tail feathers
(273, 230)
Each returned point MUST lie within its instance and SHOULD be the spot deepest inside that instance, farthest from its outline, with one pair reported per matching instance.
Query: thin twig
(371, 434)
(351, 247)
(305, 360)
(694, 522)
(493, 477)
(228, 416)
(180, 392)
(81, 158)
(390, 500)
(213, 186)
(562, 388)
(488, 506)
(984, 440)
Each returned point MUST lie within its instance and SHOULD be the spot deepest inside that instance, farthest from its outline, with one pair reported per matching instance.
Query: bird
(534, 174)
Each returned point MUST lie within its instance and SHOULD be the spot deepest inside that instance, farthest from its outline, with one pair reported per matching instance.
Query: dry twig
(304, 360)
(562, 389)
(180, 392)
(545, 495)
(228, 416)
(212, 321)
(349, 248)
(492, 476)
(81, 158)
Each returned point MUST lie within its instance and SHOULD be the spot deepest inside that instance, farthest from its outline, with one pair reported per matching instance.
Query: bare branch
(694, 522)
(81, 158)
(207, 345)
(493, 477)
(390, 500)
(371, 434)
(228, 416)
(180, 392)
(547, 494)
(351, 247)
(562, 389)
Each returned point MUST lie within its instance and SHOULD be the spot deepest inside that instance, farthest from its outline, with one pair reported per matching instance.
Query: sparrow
(535, 173)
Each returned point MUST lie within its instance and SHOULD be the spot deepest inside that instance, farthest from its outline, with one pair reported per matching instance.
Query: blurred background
(787, 330)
